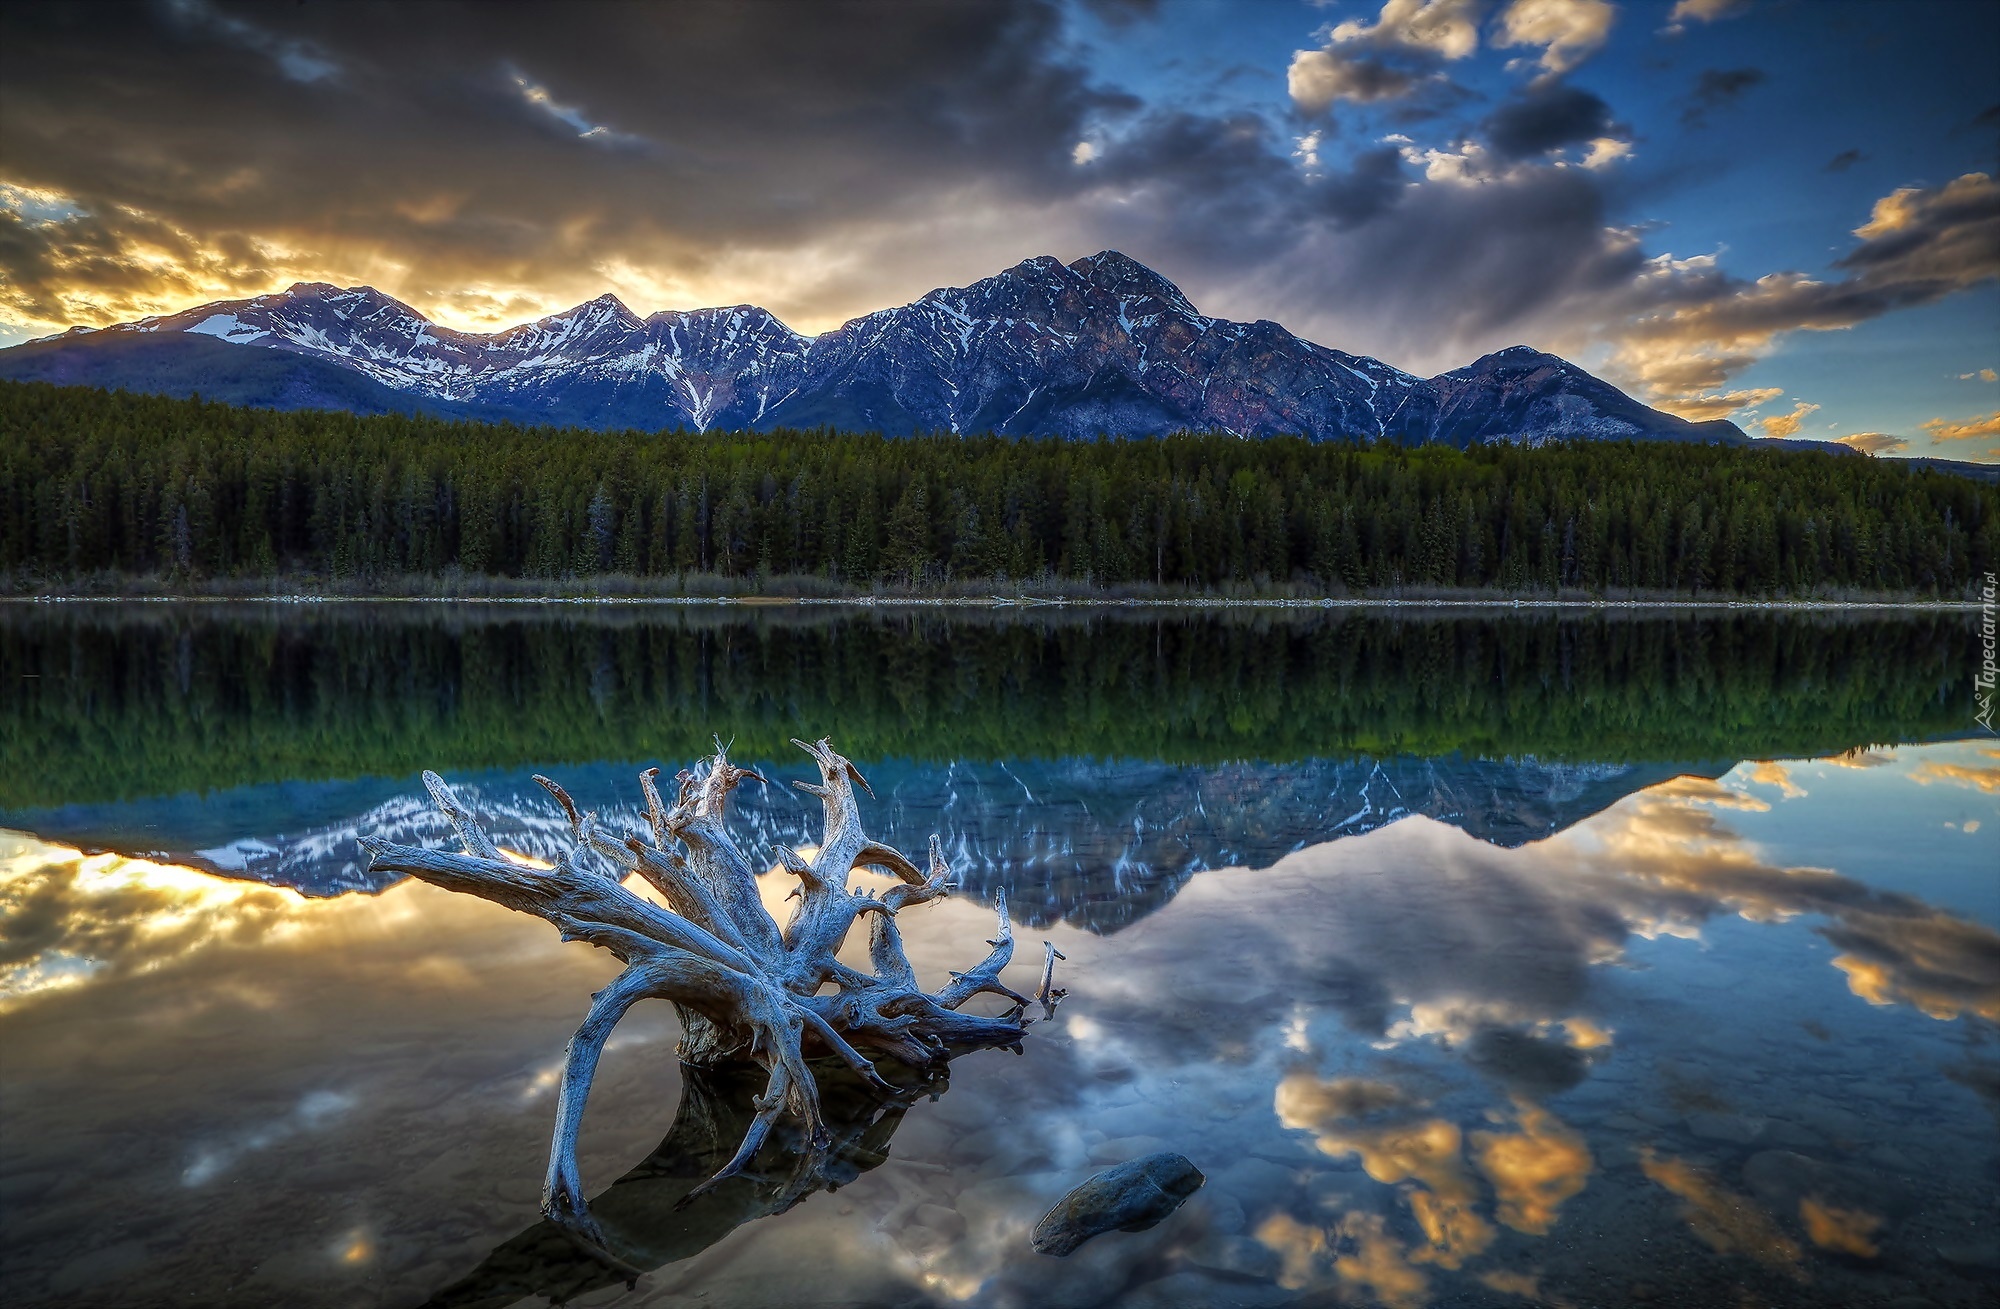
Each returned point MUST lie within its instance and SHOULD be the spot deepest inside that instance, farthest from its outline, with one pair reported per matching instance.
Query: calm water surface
(1476, 960)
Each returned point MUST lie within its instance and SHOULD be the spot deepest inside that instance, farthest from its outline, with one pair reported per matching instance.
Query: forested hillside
(95, 483)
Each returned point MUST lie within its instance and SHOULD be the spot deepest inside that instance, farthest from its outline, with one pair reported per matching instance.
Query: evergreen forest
(97, 484)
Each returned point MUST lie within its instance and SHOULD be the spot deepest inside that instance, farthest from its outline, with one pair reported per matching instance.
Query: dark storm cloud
(1471, 260)
(470, 140)
(481, 160)
(301, 61)
(475, 151)
(1224, 192)
(1921, 243)
(1843, 161)
(1477, 256)
(1717, 88)
(1545, 117)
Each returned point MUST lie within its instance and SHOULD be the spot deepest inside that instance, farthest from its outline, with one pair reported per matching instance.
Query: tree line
(115, 702)
(95, 483)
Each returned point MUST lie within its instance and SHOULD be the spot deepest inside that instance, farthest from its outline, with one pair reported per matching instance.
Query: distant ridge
(1100, 346)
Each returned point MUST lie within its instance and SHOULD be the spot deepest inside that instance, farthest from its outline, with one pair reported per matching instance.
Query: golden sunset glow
(92, 910)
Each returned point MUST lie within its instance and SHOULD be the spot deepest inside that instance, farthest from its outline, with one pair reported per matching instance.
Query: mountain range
(1100, 346)
(1097, 843)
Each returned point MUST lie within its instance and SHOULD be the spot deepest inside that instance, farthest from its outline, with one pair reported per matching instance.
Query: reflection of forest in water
(124, 701)
(1661, 1055)
(1087, 761)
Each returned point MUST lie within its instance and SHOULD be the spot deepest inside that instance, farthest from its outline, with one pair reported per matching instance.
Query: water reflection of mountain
(1098, 844)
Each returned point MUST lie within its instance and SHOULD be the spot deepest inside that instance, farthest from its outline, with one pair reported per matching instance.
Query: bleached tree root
(747, 991)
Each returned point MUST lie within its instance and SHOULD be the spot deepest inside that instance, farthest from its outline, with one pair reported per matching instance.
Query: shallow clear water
(1464, 956)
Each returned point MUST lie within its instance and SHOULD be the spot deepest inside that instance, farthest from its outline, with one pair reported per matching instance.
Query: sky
(1784, 212)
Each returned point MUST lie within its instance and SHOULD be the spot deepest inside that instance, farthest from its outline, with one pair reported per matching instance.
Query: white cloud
(1083, 153)
(1466, 163)
(1317, 78)
(1414, 35)
(1569, 31)
(1983, 374)
(1448, 29)
(1702, 11)
(1606, 151)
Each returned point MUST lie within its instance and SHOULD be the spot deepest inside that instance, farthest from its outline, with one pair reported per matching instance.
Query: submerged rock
(1129, 1198)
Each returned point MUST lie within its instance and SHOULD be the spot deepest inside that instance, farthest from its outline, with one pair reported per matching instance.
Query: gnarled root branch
(747, 990)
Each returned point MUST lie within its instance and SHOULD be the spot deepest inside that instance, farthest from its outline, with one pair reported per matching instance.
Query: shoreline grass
(703, 589)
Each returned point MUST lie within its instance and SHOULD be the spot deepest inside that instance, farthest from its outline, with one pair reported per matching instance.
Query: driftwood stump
(747, 992)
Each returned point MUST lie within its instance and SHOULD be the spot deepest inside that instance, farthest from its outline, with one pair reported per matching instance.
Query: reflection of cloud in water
(1846, 1231)
(1531, 1170)
(1307, 1102)
(316, 1110)
(1418, 933)
(1586, 1035)
(1683, 865)
(1358, 1250)
(1524, 1285)
(1729, 1223)
(1861, 758)
(1534, 1170)
(1707, 791)
(260, 1081)
(66, 917)
(1427, 1153)
(1769, 772)
(1977, 777)
(1373, 1262)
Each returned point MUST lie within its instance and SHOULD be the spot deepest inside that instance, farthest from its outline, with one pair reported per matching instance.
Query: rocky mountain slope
(1100, 346)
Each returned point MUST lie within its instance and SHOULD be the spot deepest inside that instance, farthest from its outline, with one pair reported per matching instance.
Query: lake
(1511, 957)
